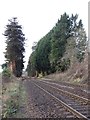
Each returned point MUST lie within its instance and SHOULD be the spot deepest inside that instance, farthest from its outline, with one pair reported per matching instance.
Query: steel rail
(69, 93)
(77, 85)
(70, 109)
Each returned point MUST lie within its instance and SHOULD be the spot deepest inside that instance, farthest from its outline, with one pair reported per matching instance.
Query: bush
(63, 65)
(6, 74)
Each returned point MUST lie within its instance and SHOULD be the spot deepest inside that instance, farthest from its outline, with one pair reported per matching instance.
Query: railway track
(81, 90)
(84, 86)
(69, 92)
(78, 106)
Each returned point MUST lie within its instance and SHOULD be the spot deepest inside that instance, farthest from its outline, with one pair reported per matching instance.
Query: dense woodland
(65, 43)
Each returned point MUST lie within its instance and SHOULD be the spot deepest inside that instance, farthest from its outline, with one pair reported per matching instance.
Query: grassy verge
(23, 108)
(10, 98)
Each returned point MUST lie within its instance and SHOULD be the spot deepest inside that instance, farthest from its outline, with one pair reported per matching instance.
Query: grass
(10, 98)
(23, 104)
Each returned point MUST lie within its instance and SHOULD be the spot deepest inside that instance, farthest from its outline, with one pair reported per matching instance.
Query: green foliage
(4, 66)
(6, 72)
(31, 65)
(80, 56)
(59, 38)
(63, 65)
(12, 107)
(15, 41)
(50, 50)
(11, 104)
(42, 55)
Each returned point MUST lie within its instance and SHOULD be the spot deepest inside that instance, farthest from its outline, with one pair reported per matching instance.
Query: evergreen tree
(42, 55)
(64, 45)
(15, 41)
(59, 39)
(31, 69)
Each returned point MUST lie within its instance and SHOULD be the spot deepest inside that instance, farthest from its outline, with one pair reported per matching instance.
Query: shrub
(6, 74)
(63, 65)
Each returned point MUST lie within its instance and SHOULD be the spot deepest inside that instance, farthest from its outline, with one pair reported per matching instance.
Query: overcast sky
(37, 18)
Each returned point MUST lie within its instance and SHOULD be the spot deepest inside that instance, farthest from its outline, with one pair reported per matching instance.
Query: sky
(37, 18)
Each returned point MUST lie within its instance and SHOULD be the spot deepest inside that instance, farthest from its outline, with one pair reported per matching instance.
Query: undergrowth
(11, 103)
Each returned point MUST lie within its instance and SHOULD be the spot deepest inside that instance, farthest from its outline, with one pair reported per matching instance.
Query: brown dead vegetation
(78, 72)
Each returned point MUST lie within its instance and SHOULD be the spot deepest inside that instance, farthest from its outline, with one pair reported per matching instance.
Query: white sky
(37, 18)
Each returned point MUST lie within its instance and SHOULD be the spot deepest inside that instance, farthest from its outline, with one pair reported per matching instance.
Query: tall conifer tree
(15, 41)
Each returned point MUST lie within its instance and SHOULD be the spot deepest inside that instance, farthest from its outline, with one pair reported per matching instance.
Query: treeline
(50, 54)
